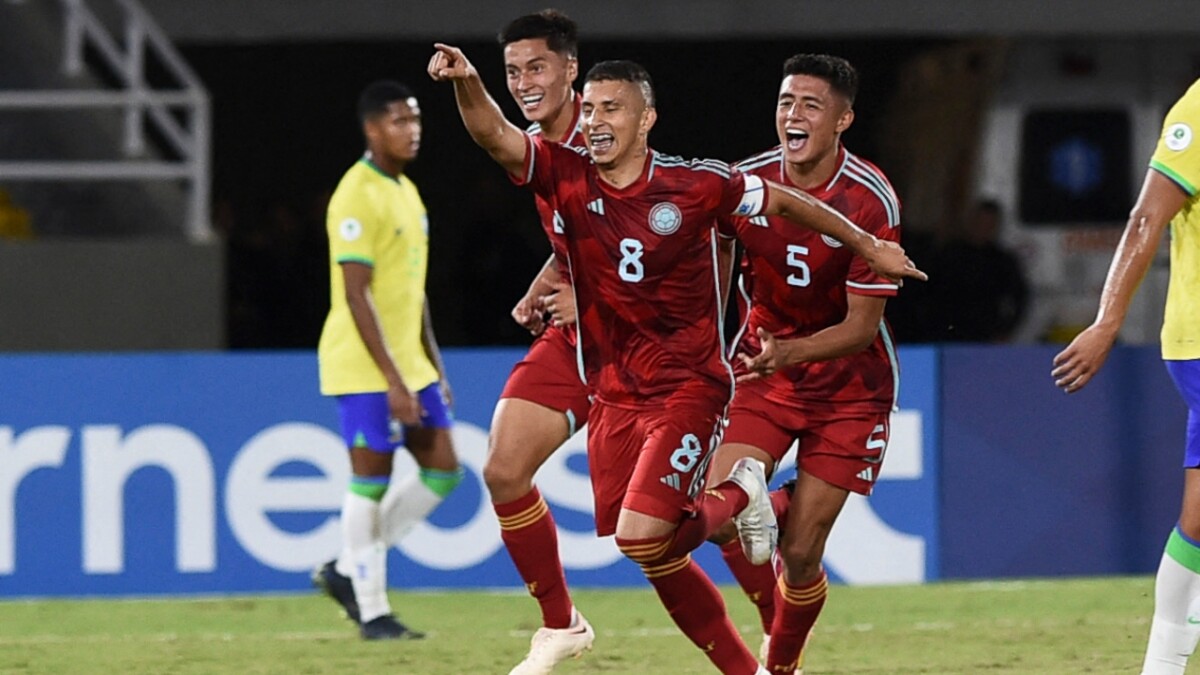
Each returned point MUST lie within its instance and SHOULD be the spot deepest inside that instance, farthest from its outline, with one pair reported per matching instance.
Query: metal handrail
(189, 139)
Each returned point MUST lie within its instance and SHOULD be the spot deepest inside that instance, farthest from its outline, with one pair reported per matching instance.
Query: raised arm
(491, 131)
(886, 258)
(1157, 204)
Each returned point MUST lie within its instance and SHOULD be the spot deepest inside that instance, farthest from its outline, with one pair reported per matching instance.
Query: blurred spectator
(980, 293)
(14, 220)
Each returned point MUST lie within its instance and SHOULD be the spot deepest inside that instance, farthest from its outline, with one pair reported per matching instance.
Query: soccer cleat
(337, 586)
(764, 648)
(386, 627)
(551, 646)
(756, 524)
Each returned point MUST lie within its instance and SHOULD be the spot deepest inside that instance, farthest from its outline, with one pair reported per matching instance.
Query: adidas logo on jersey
(867, 474)
(671, 480)
(760, 221)
(596, 206)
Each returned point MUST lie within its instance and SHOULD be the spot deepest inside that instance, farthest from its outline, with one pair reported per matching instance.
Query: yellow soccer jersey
(380, 221)
(1178, 158)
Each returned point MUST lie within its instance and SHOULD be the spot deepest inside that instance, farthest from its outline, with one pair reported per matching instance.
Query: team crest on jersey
(665, 218)
(1178, 137)
(350, 229)
(833, 243)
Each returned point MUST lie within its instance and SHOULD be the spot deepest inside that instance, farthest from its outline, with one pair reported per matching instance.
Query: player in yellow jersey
(378, 357)
(1170, 194)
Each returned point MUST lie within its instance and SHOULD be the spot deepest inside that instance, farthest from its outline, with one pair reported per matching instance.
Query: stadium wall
(219, 473)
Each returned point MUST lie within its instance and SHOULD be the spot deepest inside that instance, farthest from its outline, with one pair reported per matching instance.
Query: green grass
(1054, 627)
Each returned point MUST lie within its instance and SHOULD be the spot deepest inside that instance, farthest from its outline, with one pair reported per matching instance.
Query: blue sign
(216, 473)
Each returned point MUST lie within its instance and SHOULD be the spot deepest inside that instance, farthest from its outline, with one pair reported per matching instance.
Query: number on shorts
(687, 455)
(630, 267)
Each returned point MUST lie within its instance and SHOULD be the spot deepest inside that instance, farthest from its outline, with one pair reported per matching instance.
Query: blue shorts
(1187, 380)
(367, 423)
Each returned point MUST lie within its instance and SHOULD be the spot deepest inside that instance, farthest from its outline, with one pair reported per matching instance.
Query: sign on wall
(182, 473)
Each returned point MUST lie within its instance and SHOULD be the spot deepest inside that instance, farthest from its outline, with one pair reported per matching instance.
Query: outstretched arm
(482, 117)
(886, 258)
(1157, 204)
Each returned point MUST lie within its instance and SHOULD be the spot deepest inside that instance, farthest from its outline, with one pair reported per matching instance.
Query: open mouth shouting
(530, 102)
(601, 142)
(796, 139)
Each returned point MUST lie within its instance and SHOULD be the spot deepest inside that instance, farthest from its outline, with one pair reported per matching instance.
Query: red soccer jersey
(643, 261)
(795, 281)
(545, 206)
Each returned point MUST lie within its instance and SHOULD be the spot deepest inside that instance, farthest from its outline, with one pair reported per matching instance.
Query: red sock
(781, 501)
(528, 531)
(698, 609)
(711, 509)
(797, 608)
(757, 581)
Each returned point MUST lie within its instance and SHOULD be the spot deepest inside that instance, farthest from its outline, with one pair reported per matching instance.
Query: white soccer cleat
(756, 523)
(764, 648)
(551, 646)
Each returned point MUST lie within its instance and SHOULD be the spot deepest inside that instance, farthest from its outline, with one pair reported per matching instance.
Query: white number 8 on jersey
(630, 267)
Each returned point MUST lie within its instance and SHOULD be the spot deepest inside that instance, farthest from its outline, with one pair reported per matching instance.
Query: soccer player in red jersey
(818, 361)
(544, 400)
(640, 231)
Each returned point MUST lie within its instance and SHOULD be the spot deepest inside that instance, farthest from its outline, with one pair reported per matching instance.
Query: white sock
(1175, 629)
(364, 556)
(405, 504)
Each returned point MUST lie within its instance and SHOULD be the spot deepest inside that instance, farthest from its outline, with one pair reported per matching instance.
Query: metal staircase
(120, 118)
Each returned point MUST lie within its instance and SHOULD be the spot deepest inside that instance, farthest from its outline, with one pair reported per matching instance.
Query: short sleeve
(1177, 155)
(537, 173)
(743, 195)
(353, 226)
(875, 219)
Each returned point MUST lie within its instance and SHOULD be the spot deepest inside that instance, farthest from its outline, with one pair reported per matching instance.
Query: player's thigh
(524, 434)
(548, 376)
(671, 463)
(366, 430)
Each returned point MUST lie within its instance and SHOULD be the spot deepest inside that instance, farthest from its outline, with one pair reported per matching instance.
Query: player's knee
(503, 478)
(801, 559)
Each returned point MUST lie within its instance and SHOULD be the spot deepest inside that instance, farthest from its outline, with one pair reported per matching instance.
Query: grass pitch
(1046, 626)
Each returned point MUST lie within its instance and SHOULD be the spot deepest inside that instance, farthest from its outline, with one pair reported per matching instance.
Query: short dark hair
(377, 96)
(835, 70)
(557, 29)
(623, 71)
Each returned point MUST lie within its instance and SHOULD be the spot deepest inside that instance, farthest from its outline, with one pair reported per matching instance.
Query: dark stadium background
(284, 131)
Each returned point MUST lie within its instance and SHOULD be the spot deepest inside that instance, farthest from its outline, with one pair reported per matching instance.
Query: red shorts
(549, 376)
(651, 460)
(841, 448)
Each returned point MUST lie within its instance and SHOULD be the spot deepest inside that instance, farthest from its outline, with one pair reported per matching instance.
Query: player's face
(809, 118)
(396, 134)
(538, 79)
(615, 121)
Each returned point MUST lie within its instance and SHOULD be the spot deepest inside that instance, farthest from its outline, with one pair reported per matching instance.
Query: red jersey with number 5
(794, 282)
(643, 261)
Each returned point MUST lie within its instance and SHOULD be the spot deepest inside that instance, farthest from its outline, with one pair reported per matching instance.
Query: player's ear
(649, 117)
(572, 69)
(845, 120)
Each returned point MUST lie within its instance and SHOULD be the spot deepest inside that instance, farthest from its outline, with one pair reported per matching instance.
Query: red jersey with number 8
(643, 262)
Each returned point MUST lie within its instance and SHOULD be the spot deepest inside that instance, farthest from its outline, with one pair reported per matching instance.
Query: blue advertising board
(219, 473)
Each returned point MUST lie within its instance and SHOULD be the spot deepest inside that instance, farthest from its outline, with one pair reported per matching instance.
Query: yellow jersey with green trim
(1178, 158)
(377, 220)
